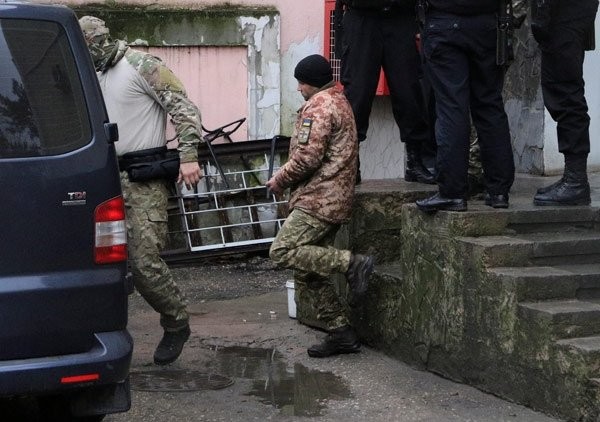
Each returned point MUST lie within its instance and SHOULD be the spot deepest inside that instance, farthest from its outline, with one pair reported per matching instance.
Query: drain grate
(177, 380)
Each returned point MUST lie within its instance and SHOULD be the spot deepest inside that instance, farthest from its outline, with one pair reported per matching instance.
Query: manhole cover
(177, 380)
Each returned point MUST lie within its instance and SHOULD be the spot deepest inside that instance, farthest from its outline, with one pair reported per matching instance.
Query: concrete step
(541, 248)
(587, 348)
(546, 282)
(563, 318)
(553, 219)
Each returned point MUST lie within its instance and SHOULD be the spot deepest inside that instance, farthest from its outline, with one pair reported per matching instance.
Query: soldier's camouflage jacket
(139, 90)
(322, 164)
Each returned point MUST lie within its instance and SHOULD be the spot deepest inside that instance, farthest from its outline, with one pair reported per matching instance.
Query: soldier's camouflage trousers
(305, 244)
(475, 172)
(146, 208)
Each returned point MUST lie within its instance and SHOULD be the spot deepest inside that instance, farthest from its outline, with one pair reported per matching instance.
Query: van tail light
(75, 379)
(111, 232)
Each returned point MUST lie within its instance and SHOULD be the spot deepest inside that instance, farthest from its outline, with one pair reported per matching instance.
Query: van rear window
(42, 107)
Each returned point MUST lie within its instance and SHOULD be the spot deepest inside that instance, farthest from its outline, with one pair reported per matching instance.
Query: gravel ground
(230, 278)
(225, 278)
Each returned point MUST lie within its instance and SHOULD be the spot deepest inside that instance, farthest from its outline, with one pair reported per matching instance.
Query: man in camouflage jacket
(321, 173)
(139, 91)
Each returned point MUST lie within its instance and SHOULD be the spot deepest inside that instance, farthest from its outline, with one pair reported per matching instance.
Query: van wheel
(58, 408)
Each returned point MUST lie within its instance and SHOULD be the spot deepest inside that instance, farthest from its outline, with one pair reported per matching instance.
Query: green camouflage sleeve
(171, 93)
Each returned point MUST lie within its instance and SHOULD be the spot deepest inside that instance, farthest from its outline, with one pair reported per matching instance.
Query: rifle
(505, 32)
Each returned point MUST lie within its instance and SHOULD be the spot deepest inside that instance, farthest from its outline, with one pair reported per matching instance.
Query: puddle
(173, 380)
(295, 390)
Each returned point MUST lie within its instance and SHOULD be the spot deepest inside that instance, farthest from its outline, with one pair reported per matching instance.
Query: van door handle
(112, 132)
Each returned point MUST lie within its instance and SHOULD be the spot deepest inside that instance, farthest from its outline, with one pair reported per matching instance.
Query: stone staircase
(505, 300)
(549, 261)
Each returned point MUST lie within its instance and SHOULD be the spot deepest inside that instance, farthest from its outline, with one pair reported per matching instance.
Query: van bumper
(110, 358)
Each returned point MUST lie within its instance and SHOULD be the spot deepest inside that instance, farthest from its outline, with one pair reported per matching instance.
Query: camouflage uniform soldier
(139, 91)
(475, 172)
(321, 173)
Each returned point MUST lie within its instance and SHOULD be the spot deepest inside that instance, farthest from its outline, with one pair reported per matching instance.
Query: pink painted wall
(216, 81)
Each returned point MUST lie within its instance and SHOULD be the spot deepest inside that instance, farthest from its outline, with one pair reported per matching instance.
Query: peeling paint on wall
(291, 98)
(264, 89)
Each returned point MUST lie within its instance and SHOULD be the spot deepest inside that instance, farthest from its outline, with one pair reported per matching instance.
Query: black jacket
(381, 4)
(465, 7)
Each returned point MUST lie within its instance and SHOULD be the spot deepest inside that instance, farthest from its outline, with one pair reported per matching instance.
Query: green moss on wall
(215, 25)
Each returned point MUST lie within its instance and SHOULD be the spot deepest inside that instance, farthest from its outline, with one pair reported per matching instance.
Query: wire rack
(213, 216)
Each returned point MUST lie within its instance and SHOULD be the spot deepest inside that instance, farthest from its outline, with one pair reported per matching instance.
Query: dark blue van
(63, 247)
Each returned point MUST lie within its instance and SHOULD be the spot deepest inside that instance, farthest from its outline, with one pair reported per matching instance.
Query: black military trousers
(375, 40)
(460, 56)
(562, 77)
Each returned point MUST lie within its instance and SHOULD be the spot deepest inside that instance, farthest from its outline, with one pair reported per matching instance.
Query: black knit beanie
(314, 70)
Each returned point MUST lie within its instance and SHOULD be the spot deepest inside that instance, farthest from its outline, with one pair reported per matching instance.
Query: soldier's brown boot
(359, 270)
(171, 345)
(341, 340)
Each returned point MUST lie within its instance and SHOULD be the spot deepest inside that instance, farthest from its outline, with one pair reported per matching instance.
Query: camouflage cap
(94, 30)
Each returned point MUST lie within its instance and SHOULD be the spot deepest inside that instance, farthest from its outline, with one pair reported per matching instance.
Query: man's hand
(274, 187)
(190, 174)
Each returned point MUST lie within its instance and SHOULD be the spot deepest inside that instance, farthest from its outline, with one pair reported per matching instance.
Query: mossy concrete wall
(376, 222)
(433, 289)
(439, 309)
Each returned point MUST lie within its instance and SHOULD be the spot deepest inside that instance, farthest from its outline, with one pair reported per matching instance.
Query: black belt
(143, 156)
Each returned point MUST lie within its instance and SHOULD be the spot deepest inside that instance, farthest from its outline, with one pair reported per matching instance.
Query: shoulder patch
(304, 132)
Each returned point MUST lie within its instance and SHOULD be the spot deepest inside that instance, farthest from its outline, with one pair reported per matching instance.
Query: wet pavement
(252, 341)
(249, 338)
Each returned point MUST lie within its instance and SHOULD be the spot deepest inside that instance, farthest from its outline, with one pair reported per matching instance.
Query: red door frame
(329, 53)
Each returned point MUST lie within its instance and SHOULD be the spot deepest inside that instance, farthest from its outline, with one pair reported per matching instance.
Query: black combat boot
(359, 270)
(548, 188)
(572, 189)
(496, 201)
(171, 345)
(438, 202)
(338, 341)
(415, 169)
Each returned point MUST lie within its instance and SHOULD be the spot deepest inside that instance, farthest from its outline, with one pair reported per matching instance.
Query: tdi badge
(304, 132)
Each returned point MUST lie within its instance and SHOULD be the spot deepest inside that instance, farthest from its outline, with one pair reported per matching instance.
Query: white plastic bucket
(291, 299)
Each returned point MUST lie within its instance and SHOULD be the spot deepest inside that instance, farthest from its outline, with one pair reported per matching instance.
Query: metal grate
(216, 217)
(335, 62)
